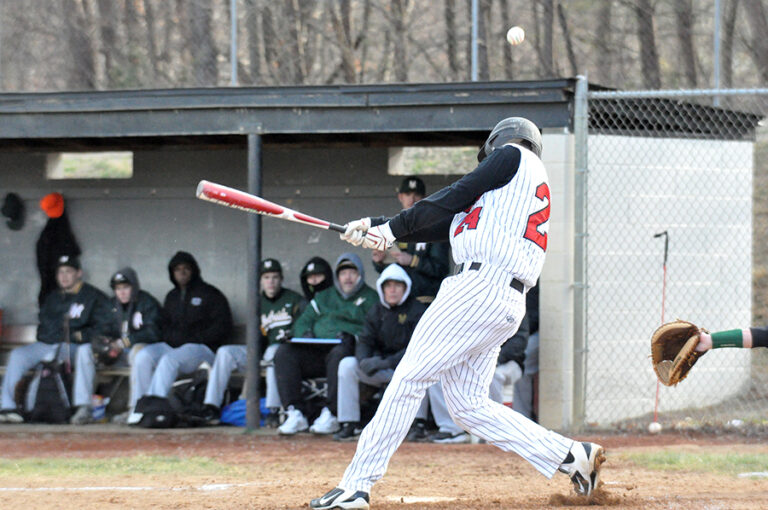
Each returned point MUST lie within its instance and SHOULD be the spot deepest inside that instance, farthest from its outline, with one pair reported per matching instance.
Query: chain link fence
(675, 213)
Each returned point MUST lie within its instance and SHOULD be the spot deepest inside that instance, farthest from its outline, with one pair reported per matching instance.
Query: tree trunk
(109, 46)
(546, 47)
(759, 41)
(341, 28)
(649, 57)
(204, 66)
(82, 67)
(729, 32)
(483, 35)
(451, 44)
(399, 13)
(604, 44)
(567, 39)
(687, 52)
(270, 42)
(295, 56)
(506, 23)
(252, 37)
(149, 17)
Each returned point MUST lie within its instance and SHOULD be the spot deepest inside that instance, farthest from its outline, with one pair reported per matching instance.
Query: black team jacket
(198, 314)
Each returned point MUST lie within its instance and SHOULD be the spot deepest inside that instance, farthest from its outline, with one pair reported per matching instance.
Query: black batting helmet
(510, 130)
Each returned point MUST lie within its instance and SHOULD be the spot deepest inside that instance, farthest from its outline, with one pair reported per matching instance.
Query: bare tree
(649, 57)
(399, 23)
(729, 32)
(687, 52)
(82, 72)
(545, 37)
(152, 37)
(506, 23)
(604, 42)
(451, 43)
(109, 44)
(203, 49)
(758, 47)
(340, 18)
(561, 16)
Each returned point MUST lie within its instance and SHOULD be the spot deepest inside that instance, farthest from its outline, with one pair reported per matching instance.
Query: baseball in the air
(654, 427)
(515, 35)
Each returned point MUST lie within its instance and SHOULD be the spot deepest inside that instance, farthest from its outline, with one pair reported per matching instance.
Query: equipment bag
(182, 408)
(49, 393)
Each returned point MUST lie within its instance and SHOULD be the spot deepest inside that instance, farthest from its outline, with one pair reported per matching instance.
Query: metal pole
(233, 42)
(580, 350)
(716, 80)
(475, 10)
(253, 316)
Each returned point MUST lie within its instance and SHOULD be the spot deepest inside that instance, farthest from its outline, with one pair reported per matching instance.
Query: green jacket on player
(278, 314)
(330, 312)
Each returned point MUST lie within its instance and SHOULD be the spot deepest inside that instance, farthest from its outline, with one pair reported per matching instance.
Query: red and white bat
(237, 199)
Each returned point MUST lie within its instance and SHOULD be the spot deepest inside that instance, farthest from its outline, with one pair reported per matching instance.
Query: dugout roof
(400, 114)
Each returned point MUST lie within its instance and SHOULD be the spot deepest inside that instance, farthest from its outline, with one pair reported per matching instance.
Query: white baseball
(654, 427)
(515, 35)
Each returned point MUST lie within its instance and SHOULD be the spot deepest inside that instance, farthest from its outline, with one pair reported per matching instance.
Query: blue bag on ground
(234, 413)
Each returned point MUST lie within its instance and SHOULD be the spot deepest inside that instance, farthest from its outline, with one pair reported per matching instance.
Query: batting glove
(356, 231)
(379, 238)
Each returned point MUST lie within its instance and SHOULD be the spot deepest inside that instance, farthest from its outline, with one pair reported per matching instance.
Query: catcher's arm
(746, 338)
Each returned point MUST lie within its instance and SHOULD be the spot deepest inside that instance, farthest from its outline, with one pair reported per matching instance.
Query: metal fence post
(580, 128)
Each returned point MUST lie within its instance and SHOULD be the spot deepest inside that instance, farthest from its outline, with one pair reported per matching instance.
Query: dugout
(322, 150)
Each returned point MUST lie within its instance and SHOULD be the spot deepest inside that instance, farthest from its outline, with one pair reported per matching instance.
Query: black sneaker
(211, 415)
(341, 498)
(418, 432)
(449, 438)
(349, 432)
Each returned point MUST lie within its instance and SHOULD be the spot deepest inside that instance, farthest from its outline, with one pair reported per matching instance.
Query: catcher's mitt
(107, 350)
(673, 351)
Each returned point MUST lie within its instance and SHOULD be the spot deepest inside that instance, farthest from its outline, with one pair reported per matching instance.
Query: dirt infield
(277, 472)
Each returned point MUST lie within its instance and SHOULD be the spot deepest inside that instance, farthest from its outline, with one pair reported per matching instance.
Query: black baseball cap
(68, 260)
(270, 266)
(413, 185)
(119, 278)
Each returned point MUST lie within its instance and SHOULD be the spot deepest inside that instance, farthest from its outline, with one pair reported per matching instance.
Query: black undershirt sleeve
(759, 337)
(429, 218)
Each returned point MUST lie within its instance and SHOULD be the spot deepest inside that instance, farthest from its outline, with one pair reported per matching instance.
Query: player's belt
(475, 266)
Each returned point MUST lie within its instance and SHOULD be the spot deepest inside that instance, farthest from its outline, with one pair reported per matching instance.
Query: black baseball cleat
(583, 466)
(341, 498)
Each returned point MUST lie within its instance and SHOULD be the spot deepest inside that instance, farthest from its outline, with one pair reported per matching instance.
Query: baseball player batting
(496, 219)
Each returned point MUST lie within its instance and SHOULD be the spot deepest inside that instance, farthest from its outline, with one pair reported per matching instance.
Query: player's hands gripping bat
(237, 199)
(673, 351)
(360, 232)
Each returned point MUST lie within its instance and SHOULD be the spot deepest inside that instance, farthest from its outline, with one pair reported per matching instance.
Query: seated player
(279, 308)
(336, 312)
(316, 275)
(77, 312)
(196, 320)
(388, 327)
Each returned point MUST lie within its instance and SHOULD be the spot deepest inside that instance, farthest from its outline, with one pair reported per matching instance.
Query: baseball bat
(237, 199)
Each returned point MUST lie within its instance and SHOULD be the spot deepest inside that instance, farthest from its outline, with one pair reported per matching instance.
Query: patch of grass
(729, 464)
(140, 464)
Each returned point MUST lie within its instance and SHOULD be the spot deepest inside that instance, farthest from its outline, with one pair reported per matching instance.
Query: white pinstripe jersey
(507, 227)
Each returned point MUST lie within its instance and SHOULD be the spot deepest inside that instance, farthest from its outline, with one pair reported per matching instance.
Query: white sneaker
(10, 416)
(134, 418)
(83, 415)
(294, 422)
(326, 423)
(583, 465)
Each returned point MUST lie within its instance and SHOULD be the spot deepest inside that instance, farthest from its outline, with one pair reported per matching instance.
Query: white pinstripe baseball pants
(457, 341)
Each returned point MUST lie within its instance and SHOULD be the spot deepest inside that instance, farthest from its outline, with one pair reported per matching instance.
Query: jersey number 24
(535, 219)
